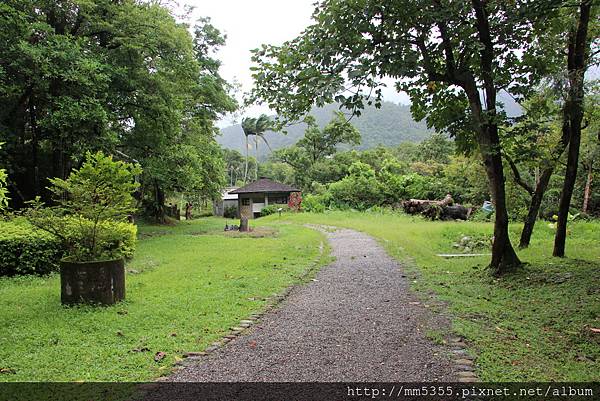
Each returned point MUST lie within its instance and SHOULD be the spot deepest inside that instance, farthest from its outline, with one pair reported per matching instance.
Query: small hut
(253, 197)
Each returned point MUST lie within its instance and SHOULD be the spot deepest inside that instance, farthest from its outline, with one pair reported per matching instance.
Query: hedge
(24, 250)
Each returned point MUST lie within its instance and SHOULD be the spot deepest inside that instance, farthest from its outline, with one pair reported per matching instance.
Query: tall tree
(591, 143)
(117, 76)
(263, 124)
(248, 126)
(256, 127)
(578, 56)
(316, 146)
(451, 57)
(533, 142)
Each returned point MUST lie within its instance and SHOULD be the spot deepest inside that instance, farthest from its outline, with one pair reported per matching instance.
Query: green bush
(272, 209)
(84, 240)
(230, 212)
(115, 239)
(359, 190)
(92, 205)
(314, 203)
(25, 250)
(482, 215)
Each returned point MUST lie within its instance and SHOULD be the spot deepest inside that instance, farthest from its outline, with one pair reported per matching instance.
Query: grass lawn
(533, 325)
(187, 285)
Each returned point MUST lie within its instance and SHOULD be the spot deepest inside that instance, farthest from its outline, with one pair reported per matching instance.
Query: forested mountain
(389, 125)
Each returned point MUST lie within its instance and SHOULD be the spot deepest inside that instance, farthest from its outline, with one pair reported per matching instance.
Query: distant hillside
(390, 125)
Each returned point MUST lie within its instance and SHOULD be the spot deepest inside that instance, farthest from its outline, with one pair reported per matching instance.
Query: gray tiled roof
(264, 185)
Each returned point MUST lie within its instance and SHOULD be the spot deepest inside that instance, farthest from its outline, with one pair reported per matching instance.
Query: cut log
(456, 212)
(445, 209)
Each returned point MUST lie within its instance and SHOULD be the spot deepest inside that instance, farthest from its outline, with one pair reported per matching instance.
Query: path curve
(357, 322)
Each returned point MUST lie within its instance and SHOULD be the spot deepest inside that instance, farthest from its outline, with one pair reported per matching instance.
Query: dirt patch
(258, 232)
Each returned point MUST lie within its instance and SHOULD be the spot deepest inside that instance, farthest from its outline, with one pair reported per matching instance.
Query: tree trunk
(588, 188)
(578, 49)
(159, 203)
(534, 207)
(246, 165)
(540, 190)
(34, 148)
(504, 257)
(256, 151)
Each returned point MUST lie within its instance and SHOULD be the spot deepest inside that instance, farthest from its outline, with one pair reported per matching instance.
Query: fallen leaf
(252, 344)
(7, 371)
(159, 356)
(173, 334)
(120, 333)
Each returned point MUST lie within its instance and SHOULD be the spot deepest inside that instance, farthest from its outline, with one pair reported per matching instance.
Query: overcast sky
(248, 24)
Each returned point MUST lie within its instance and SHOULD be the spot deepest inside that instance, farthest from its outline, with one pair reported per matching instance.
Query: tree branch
(517, 175)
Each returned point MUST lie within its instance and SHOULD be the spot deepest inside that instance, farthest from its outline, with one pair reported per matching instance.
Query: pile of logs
(445, 209)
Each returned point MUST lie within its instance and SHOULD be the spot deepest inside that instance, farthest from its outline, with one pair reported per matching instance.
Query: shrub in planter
(90, 220)
(24, 250)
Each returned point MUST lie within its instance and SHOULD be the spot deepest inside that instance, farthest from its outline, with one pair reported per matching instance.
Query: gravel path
(356, 322)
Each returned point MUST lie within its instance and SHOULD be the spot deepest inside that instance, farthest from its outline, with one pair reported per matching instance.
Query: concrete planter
(101, 282)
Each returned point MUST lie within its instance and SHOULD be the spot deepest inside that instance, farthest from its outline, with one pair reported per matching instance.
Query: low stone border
(463, 362)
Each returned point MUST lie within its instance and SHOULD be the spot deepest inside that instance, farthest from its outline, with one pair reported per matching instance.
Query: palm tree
(257, 127)
(249, 127)
(263, 124)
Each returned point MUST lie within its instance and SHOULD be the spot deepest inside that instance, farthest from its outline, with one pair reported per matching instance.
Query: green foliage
(277, 171)
(92, 205)
(125, 76)
(438, 148)
(359, 190)
(464, 178)
(235, 166)
(255, 127)
(230, 212)
(309, 156)
(412, 186)
(319, 144)
(106, 240)
(24, 250)
(100, 190)
(316, 203)
(272, 209)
